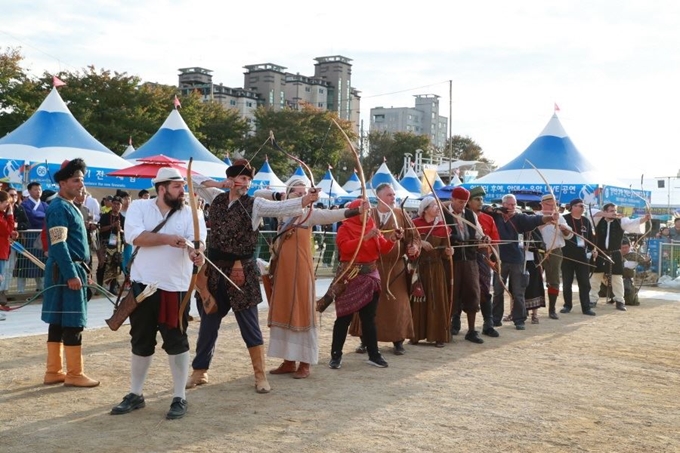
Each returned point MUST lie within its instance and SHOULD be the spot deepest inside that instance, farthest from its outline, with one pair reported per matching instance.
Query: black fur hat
(69, 168)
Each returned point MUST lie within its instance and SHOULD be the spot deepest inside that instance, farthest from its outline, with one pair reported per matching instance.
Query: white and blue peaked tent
(266, 179)
(50, 136)
(330, 186)
(568, 172)
(174, 139)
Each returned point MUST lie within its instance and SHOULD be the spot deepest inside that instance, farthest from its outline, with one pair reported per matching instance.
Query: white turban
(424, 204)
(295, 182)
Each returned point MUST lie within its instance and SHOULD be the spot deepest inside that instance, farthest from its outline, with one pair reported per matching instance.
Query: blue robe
(60, 304)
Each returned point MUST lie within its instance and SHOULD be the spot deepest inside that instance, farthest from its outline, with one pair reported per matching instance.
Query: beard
(173, 203)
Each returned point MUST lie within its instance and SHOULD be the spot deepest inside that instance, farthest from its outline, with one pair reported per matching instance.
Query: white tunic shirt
(168, 267)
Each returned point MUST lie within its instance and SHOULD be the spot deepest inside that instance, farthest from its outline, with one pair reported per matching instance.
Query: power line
(60, 61)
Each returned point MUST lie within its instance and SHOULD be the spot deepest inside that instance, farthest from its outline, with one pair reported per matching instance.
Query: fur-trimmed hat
(69, 168)
(240, 167)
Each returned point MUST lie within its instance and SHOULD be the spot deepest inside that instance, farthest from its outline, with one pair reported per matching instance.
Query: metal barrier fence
(21, 276)
(669, 260)
(24, 277)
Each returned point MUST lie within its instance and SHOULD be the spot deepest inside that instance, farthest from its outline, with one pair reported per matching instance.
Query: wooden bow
(448, 242)
(557, 229)
(398, 244)
(196, 243)
(310, 175)
(364, 215)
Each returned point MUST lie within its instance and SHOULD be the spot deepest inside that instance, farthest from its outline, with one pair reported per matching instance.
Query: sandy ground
(609, 384)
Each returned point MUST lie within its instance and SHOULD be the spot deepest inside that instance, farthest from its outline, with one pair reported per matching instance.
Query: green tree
(221, 130)
(465, 148)
(308, 133)
(391, 147)
(19, 94)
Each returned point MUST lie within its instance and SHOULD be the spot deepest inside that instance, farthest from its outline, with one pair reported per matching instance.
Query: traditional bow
(310, 175)
(448, 242)
(197, 244)
(389, 273)
(364, 216)
(557, 229)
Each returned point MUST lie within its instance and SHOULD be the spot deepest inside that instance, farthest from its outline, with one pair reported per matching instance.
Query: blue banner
(590, 194)
(14, 173)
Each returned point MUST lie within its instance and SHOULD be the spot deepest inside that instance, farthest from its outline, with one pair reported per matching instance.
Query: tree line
(114, 107)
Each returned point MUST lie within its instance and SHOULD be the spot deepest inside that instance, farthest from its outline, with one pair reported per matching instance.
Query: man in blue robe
(66, 273)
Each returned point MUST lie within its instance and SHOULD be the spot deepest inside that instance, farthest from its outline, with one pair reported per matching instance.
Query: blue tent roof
(352, 183)
(50, 136)
(411, 182)
(174, 139)
(330, 186)
(567, 171)
(266, 179)
(382, 176)
(299, 174)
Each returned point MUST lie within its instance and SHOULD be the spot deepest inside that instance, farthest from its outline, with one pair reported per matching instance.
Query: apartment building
(421, 119)
(270, 85)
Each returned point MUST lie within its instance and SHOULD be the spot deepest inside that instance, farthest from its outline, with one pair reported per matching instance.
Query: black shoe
(565, 310)
(497, 323)
(455, 326)
(335, 363)
(361, 349)
(129, 403)
(593, 304)
(399, 348)
(553, 315)
(473, 336)
(378, 361)
(177, 409)
(611, 301)
(589, 313)
(520, 327)
(621, 306)
(490, 332)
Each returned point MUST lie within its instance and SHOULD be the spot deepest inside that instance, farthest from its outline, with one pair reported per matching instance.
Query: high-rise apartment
(270, 85)
(422, 119)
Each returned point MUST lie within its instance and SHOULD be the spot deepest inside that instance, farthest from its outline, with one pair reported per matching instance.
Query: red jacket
(348, 240)
(6, 228)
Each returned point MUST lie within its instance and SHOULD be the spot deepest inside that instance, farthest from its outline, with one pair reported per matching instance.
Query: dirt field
(609, 384)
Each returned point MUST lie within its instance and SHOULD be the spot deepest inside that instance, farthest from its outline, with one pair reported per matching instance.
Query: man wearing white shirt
(164, 260)
(553, 247)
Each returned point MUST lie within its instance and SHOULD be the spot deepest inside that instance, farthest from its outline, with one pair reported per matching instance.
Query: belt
(216, 254)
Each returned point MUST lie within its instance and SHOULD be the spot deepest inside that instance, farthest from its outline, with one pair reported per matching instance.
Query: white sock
(179, 367)
(139, 368)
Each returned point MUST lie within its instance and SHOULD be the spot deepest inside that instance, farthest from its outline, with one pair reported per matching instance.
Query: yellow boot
(257, 357)
(198, 377)
(54, 373)
(74, 369)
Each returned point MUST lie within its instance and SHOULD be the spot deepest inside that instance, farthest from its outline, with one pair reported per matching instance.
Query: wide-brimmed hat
(167, 174)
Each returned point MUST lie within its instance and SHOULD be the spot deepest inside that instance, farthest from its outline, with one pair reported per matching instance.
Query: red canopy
(147, 167)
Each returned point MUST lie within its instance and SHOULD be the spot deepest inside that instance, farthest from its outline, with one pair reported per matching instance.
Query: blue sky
(613, 67)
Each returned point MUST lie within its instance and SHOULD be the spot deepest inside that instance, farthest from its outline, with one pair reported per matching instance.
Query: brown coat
(393, 316)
